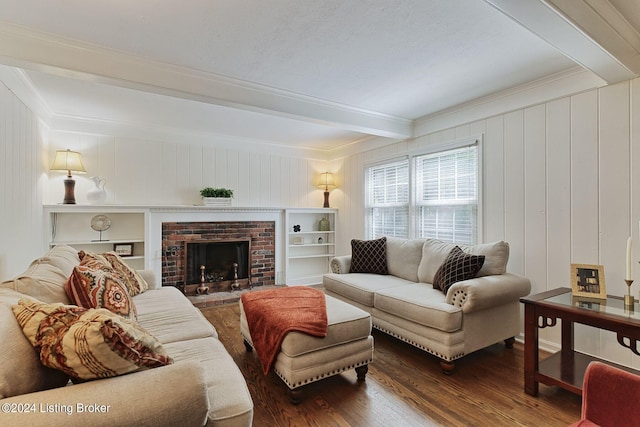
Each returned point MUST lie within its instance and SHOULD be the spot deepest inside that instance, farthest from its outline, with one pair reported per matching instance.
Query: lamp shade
(68, 161)
(326, 181)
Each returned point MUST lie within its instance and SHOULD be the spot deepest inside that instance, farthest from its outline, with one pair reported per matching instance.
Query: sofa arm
(488, 291)
(149, 276)
(341, 264)
(166, 396)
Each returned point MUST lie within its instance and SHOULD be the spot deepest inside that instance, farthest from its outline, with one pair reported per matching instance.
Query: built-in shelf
(306, 259)
(71, 225)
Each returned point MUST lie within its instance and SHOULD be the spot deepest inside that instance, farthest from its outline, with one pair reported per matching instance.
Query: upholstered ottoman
(304, 359)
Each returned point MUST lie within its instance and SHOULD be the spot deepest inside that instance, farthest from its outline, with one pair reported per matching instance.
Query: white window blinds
(387, 199)
(446, 202)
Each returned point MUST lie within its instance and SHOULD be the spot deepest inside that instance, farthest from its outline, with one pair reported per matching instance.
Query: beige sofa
(472, 315)
(202, 387)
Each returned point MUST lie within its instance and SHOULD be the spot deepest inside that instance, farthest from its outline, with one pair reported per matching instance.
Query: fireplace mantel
(157, 215)
(141, 225)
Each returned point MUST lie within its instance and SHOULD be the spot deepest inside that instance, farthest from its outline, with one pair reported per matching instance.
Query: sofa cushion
(170, 317)
(360, 287)
(93, 284)
(229, 397)
(88, 343)
(21, 371)
(458, 266)
(403, 257)
(421, 304)
(45, 278)
(369, 256)
(435, 251)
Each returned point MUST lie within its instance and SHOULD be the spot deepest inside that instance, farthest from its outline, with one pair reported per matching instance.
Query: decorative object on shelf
(216, 196)
(296, 228)
(298, 240)
(320, 240)
(123, 249)
(100, 223)
(97, 195)
(326, 182)
(587, 281)
(68, 161)
(325, 225)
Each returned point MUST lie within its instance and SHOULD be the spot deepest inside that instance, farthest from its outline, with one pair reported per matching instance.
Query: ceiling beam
(597, 38)
(30, 49)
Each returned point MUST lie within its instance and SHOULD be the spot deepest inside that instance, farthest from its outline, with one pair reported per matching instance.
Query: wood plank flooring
(404, 387)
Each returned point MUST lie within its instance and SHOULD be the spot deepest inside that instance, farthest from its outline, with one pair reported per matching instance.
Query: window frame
(413, 217)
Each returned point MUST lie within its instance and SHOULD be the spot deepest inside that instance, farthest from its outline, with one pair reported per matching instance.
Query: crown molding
(559, 85)
(31, 49)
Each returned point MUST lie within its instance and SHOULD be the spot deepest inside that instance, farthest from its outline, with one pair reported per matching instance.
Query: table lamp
(68, 161)
(326, 182)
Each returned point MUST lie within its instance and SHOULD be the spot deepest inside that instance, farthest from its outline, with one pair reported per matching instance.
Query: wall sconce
(68, 161)
(326, 182)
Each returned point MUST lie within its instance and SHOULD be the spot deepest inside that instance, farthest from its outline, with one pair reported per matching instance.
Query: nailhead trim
(420, 346)
(321, 376)
(459, 298)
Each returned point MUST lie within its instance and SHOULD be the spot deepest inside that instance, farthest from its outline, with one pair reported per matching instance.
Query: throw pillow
(88, 344)
(94, 285)
(131, 278)
(457, 266)
(369, 256)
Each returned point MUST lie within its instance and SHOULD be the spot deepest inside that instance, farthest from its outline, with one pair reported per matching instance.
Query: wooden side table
(566, 367)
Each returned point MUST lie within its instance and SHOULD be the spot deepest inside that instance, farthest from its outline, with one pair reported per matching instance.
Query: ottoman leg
(361, 371)
(247, 345)
(295, 395)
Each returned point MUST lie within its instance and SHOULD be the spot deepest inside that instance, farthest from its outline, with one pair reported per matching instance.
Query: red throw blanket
(273, 313)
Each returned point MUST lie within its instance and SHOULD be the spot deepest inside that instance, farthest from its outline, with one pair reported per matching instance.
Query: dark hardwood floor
(404, 387)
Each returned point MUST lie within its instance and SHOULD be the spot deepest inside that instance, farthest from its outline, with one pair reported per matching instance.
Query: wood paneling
(560, 184)
(21, 181)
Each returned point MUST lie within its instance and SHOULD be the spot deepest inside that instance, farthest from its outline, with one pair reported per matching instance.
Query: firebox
(222, 264)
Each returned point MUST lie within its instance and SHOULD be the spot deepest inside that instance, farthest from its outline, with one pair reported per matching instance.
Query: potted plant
(216, 196)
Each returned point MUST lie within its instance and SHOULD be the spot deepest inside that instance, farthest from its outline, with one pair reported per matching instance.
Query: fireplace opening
(226, 264)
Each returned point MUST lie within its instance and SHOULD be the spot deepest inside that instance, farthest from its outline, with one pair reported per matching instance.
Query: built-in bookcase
(308, 248)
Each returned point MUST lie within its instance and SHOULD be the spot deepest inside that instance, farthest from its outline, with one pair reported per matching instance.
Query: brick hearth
(261, 233)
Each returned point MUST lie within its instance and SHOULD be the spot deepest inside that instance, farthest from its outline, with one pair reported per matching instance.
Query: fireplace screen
(218, 258)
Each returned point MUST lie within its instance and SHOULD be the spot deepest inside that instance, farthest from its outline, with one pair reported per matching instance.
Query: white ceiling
(315, 73)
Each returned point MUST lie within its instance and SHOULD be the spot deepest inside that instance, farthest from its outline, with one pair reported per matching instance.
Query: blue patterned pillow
(369, 256)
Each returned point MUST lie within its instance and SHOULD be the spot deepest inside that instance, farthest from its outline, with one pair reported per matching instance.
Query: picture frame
(123, 249)
(587, 280)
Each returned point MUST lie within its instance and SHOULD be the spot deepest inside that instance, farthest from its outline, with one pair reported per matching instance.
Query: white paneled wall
(172, 173)
(21, 177)
(561, 184)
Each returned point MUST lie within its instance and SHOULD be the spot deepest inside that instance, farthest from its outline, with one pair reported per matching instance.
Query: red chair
(610, 397)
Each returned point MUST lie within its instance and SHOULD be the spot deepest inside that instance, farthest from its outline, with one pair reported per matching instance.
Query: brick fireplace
(261, 235)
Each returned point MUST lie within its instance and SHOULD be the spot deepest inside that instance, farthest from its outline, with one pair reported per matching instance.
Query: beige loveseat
(202, 387)
(473, 314)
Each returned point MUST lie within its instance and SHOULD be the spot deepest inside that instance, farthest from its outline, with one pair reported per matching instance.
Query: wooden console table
(566, 367)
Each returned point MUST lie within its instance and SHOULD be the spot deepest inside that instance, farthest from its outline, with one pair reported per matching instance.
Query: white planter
(216, 201)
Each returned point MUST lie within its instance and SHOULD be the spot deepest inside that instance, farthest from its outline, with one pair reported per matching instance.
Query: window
(446, 202)
(387, 199)
(445, 188)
